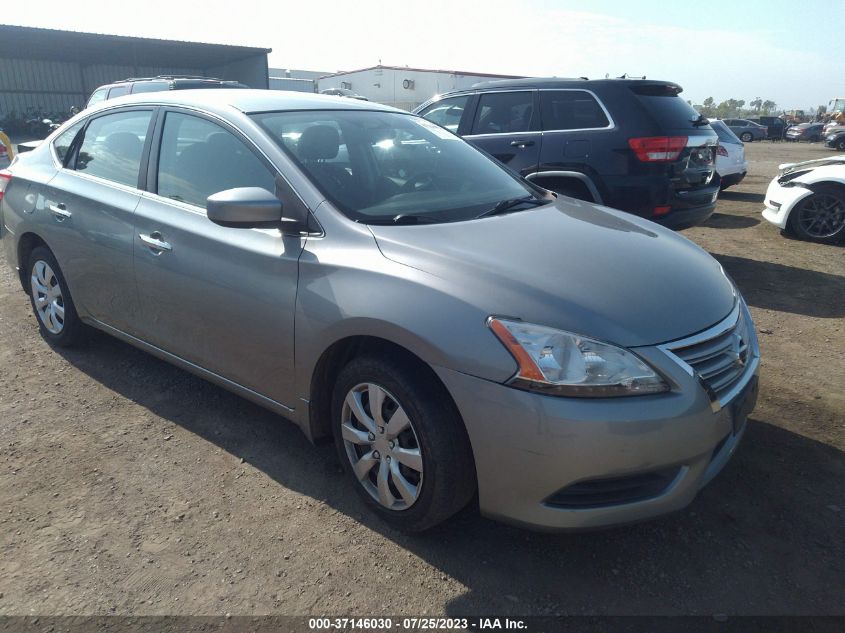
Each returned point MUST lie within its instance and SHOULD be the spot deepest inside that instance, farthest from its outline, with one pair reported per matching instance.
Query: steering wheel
(422, 180)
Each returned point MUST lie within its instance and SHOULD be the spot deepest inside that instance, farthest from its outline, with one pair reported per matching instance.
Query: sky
(788, 52)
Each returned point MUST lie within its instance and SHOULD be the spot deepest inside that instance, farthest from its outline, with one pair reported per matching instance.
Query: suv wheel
(51, 301)
(403, 443)
(821, 216)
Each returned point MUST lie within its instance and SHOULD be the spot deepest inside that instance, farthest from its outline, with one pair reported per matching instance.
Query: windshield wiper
(701, 120)
(509, 205)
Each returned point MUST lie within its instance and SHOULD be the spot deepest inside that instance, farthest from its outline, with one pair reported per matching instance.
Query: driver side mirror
(244, 208)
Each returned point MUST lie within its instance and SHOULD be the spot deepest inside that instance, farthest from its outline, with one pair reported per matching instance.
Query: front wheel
(840, 145)
(820, 217)
(51, 301)
(746, 137)
(402, 442)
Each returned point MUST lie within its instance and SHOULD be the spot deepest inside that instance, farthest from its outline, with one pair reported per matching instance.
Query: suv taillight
(5, 179)
(658, 149)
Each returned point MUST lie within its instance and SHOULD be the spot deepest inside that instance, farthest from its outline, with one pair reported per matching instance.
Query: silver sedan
(458, 331)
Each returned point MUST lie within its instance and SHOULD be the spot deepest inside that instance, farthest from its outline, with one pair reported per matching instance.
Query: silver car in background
(459, 332)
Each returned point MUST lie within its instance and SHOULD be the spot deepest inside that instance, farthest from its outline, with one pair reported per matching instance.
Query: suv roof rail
(525, 81)
(170, 77)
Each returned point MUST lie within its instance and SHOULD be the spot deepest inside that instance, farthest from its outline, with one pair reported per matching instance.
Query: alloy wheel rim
(822, 215)
(47, 296)
(382, 446)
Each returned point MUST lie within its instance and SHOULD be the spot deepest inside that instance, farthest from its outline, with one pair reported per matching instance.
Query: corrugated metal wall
(29, 86)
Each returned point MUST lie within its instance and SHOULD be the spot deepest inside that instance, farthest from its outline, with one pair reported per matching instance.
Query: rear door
(89, 206)
(506, 125)
(220, 298)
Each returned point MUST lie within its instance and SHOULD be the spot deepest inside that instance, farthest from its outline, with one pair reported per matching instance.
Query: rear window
(571, 110)
(664, 104)
(724, 133)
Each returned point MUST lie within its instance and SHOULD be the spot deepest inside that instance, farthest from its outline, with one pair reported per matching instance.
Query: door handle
(154, 241)
(60, 211)
(523, 143)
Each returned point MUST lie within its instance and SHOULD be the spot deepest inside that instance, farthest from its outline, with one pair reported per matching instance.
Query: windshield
(385, 167)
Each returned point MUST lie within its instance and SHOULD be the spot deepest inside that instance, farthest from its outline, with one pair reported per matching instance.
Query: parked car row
(461, 332)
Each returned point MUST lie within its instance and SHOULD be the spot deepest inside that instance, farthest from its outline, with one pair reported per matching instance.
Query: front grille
(597, 493)
(721, 356)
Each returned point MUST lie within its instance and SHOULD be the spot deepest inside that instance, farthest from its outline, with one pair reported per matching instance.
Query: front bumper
(528, 447)
(780, 201)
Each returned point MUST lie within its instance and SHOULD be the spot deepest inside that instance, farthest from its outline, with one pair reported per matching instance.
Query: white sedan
(808, 199)
(731, 164)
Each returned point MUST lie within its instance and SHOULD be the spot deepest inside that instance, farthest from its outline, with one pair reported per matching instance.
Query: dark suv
(631, 144)
(134, 85)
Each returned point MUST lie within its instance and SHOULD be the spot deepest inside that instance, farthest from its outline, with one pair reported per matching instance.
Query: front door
(221, 298)
(506, 126)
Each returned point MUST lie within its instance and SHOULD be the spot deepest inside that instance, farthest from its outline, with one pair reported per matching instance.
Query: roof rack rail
(171, 77)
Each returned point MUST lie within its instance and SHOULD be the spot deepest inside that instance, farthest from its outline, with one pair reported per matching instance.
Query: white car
(731, 164)
(808, 199)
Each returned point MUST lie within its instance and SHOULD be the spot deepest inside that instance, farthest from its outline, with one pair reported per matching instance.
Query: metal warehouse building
(403, 87)
(43, 71)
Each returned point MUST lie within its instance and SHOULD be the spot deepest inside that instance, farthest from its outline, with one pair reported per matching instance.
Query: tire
(820, 217)
(437, 463)
(746, 137)
(51, 302)
(840, 145)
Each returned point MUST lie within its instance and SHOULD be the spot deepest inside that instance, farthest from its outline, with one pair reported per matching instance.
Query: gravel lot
(128, 486)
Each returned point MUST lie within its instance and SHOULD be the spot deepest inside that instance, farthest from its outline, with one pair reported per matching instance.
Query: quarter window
(571, 110)
(503, 112)
(199, 158)
(62, 144)
(447, 112)
(113, 145)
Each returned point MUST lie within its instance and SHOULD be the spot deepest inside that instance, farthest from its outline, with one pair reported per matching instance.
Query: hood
(574, 266)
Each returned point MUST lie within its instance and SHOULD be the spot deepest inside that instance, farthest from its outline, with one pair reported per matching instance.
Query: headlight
(565, 364)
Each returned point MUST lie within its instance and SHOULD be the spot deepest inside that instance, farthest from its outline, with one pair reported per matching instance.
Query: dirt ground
(128, 486)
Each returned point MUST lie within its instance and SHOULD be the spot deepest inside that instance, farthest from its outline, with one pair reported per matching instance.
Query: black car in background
(155, 84)
(631, 144)
(811, 132)
(836, 140)
(775, 126)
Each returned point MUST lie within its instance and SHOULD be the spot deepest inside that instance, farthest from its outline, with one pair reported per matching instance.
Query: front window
(97, 96)
(385, 167)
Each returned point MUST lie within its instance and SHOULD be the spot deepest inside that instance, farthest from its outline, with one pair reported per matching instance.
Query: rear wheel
(840, 145)
(746, 137)
(51, 301)
(821, 216)
(402, 442)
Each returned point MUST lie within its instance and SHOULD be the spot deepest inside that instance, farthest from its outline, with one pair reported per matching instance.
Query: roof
(92, 48)
(557, 82)
(421, 70)
(248, 100)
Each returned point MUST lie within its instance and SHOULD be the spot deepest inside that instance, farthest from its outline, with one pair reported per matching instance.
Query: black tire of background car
(837, 191)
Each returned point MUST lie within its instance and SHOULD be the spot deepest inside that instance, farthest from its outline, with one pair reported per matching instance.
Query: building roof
(422, 70)
(24, 42)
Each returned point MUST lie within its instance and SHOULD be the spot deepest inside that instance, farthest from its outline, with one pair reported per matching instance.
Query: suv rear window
(664, 104)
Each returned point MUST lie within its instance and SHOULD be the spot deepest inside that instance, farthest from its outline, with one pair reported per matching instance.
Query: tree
(769, 106)
(757, 104)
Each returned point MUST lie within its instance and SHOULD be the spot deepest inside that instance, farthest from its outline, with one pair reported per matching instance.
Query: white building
(403, 87)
